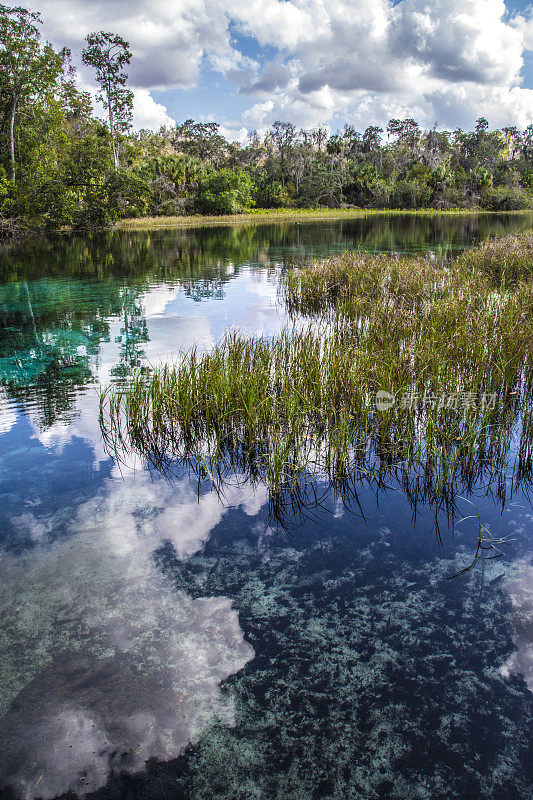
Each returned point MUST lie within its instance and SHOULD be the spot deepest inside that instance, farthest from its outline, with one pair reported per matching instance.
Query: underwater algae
(374, 676)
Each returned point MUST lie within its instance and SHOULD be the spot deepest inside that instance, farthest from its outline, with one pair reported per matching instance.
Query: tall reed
(300, 407)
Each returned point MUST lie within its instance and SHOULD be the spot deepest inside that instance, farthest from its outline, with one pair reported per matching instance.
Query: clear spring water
(160, 643)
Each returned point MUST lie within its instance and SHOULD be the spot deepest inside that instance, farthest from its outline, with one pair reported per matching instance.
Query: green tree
(225, 192)
(28, 70)
(108, 54)
(335, 148)
(200, 140)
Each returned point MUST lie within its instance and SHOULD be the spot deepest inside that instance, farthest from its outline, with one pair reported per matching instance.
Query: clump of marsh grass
(354, 282)
(300, 407)
(507, 261)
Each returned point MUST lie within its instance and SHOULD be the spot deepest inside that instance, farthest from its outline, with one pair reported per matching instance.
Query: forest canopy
(64, 163)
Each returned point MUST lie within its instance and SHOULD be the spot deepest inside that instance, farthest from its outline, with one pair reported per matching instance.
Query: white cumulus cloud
(437, 60)
(149, 114)
(524, 23)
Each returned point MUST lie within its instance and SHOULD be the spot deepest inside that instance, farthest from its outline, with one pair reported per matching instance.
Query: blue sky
(249, 62)
(524, 7)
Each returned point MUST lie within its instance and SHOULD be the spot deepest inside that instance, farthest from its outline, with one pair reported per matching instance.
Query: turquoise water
(161, 641)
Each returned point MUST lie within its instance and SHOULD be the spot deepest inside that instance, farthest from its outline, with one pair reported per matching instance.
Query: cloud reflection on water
(106, 663)
(520, 591)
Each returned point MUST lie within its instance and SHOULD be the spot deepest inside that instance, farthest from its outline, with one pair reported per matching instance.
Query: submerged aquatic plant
(301, 407)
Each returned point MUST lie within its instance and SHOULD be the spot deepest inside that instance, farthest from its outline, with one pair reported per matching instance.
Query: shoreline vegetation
(301, 408)
(262, 216)
(17, 230)
(63, 167)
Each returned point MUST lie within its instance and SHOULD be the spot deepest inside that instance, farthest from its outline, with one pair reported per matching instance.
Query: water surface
(160, 641)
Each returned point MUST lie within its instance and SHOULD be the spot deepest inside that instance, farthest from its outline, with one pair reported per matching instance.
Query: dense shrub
(224, 192)
(503, 199)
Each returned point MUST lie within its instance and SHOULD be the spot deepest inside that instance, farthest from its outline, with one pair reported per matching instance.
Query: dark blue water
(159, 640)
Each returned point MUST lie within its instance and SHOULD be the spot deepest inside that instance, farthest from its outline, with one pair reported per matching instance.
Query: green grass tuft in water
(288, 410)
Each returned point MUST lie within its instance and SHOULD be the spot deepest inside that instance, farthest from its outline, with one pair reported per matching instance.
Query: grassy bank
(266, 215)
(452, 344)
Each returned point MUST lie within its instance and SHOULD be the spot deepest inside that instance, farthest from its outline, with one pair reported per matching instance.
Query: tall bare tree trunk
(12, 136)
(115, 154)
(112, 131)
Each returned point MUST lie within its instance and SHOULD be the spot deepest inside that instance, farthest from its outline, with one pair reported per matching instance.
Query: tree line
(63, 165)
